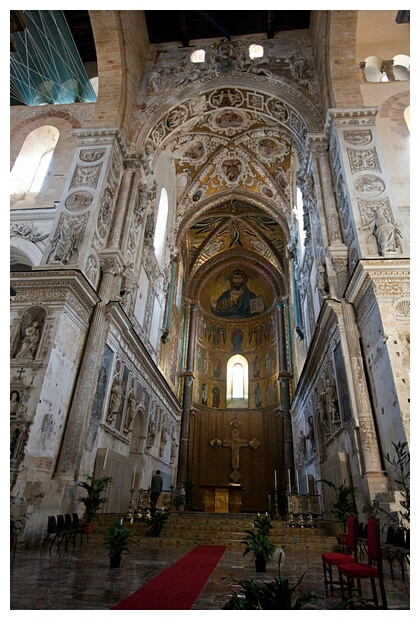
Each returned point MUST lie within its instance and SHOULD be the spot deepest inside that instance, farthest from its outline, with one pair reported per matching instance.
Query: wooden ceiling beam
(270, 24)
(183, 25)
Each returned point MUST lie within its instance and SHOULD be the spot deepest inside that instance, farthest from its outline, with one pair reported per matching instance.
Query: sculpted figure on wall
(163, 440)
(331, 402)
(115, 400)
(151, 434)
(30, 341)
(385, 232)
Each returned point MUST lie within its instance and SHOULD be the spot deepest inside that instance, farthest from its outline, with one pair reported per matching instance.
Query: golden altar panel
(222, 498)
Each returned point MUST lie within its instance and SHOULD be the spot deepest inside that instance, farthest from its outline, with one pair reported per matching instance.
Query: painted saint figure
(235, 302)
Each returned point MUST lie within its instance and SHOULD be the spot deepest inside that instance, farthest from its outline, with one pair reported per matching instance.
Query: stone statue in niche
(115, 400)
(311, 433)
(321, 278)
(331, 402)
(302, 445)
(30, 340)
(151, 434)
(14, 402)
(163, 440)
(130, 412)
(238, 301)
(386, 233)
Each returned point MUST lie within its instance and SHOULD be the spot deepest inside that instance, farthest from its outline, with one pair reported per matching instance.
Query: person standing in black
(155, 489)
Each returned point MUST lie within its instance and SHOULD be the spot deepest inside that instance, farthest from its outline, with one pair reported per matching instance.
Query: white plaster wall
(55, 397)
(385, 397)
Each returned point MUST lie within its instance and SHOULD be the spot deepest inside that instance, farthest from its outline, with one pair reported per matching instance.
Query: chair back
(60, 523)
(374, 542)
(75, 520)
(52, 525)
(68, 521)
(352, 535)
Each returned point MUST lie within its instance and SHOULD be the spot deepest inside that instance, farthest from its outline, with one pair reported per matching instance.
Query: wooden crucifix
(235, 443)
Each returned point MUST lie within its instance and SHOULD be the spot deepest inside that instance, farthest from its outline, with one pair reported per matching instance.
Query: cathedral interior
(211, 277)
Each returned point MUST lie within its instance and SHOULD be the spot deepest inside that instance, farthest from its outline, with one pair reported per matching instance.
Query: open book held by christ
(256, 305)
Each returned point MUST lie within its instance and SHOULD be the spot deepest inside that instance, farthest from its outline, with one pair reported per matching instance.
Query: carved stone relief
(86, 176)
(28, 232)
(364, 160)
(91, 155)
(358, 137)
(105, 214)
(67, 238)
(77, 201)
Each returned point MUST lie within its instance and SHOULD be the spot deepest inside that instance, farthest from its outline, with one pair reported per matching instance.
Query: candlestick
(134, 476)
(290, 482)
(275, 479)
(307, 483)
(297, 481)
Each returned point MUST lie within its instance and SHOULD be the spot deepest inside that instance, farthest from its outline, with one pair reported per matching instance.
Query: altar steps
(199, 528)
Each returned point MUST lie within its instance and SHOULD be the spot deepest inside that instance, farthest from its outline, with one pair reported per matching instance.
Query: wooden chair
(356, 571)
(333, 559)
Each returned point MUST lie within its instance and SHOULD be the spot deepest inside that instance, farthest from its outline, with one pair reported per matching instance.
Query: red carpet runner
(178, 586)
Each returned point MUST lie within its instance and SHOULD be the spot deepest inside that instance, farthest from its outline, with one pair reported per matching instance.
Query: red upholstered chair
(355, 571)
(333, 559)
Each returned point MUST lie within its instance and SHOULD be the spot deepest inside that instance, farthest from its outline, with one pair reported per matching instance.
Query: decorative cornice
(389, 278)
(54, 287)
(103, 136)
(356, 117)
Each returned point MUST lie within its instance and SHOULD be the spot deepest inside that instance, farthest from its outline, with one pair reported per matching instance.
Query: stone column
(123, 201)
(364, 416)
(188, 377)
(284, 378)
(78, 416)
(330, 221)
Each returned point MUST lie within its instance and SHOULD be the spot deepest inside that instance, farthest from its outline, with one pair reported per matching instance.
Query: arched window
(256, 51)
(41, 172)
(299, 215)
(160, 230)
(33, 162)
(237, 382)
(198, 56)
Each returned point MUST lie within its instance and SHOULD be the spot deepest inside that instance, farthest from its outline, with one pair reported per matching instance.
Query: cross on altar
(236, 443)
(20, 372)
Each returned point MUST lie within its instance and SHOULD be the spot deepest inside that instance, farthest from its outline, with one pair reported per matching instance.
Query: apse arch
(254, 263)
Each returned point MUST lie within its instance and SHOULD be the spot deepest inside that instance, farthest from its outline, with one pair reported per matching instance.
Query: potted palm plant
(94, 498)
(258, 542)
(342, 506)
(117, 543)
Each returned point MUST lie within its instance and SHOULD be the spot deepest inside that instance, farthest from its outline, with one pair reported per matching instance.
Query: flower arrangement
(156, 521)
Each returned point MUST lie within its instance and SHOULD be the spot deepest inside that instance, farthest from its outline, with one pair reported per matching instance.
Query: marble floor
(80, 579)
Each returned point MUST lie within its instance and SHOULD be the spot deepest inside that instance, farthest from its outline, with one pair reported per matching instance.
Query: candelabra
(310, 522)
(130, 510)
(300, 518)
(290, 506)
